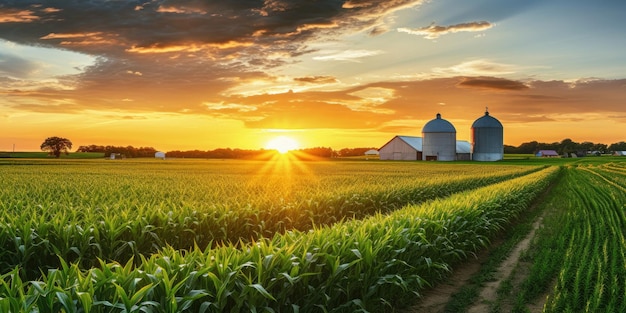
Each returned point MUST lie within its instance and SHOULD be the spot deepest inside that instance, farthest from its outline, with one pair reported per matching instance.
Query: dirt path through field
(489, 293)
(436, 299)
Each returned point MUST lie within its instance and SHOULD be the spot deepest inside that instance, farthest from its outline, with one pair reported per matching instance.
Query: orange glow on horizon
(282, 144)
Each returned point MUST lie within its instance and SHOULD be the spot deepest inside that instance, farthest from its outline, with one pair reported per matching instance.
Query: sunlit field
(276, 236)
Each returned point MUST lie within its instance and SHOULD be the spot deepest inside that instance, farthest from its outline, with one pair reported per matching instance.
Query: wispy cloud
(492, 83)
(434, 31)
(477, 67)
(17, 16)
(348, 55)
(316, 79)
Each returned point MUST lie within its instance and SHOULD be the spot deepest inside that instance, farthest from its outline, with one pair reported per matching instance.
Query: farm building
(439, 143)
(619, 153)
(409, 148)
(487, 139)
(439, 140)
(159, 155)
(463, 150)
(547, 154)
(371, 152)
(406, 148)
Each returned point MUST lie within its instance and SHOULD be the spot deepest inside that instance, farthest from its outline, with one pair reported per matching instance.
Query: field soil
(436, 299)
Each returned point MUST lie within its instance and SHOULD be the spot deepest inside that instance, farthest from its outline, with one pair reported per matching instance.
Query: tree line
(220, 153)
(565, 146)
(58, 145)
(261, 154)
(128, 151)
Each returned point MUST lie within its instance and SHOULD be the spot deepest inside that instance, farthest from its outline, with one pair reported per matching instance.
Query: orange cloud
(492, 83)
(17, 16)
(317, 79)
(180, 10)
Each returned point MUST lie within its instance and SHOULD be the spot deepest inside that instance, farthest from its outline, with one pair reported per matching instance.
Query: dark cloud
(173, 55)
(165, 23)
(493, 83)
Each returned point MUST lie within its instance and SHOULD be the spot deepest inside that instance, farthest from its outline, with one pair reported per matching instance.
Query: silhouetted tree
(56, 145)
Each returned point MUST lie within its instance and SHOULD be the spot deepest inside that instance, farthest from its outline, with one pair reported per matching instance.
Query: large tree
(56, 145)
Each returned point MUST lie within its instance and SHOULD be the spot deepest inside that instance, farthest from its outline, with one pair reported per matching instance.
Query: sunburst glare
(282, 144)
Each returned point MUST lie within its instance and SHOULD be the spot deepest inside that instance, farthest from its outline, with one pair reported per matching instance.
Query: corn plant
(90, 210)
(350, 266)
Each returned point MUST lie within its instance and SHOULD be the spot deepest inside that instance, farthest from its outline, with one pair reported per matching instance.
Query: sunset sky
(199, 74)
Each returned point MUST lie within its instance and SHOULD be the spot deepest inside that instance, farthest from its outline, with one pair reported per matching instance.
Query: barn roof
(463, 146)
(414, 142)
(547, 152)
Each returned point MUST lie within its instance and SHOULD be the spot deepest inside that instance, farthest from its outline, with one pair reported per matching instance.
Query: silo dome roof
(438, 125)
(487, 121)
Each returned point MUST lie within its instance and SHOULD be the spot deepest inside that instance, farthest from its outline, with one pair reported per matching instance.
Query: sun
(282, 144)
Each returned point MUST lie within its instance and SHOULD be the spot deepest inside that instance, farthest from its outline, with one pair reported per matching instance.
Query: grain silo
(439, 140)
(487, 139)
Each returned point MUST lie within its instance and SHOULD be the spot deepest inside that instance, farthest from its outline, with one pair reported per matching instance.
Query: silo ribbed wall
(441, 145)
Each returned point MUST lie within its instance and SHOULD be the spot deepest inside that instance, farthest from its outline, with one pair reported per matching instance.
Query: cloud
(434, 31)
(190, 56)
(348, 55)
(492, 83)
(389, 106)
(206, 48)
(317, 79)
(477, 67)
(17, 16)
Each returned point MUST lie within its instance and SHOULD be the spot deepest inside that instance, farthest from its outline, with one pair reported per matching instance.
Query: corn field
(243, 236)
(581, 252)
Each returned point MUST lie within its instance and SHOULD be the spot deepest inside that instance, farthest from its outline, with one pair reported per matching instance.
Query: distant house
(619, 153)
(371, 152)
(159, 155)
(547, 154)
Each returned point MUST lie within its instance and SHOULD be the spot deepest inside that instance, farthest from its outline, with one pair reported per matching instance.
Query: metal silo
(439, 140)
(487, 139)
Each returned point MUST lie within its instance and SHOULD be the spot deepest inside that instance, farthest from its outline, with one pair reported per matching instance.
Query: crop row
(357, 265)
(83, 212)
(590, 278)
(582, 244)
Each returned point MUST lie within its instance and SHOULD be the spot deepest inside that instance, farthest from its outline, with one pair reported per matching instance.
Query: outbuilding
(159, 155)
(619, 153)
(371, 152)
(463, 150)
(547, 154)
